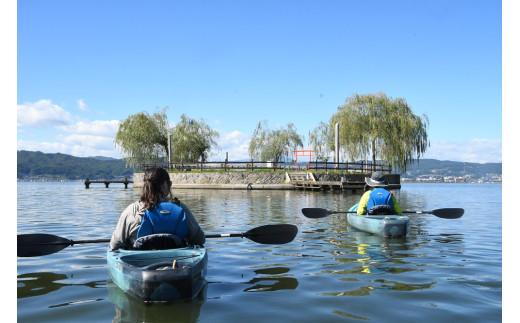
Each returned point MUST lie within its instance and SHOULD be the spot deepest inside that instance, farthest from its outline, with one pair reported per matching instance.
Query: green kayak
(383, 225)
(159, 275)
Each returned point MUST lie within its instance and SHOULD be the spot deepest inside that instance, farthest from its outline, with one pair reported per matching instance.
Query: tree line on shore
(370, 125)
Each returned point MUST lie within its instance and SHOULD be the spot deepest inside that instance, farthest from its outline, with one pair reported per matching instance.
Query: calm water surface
(445, 271)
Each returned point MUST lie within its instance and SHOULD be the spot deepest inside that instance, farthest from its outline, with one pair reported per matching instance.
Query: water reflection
(130, 309)
(366, 259)
(449, 238)
(37, 284)
(272, 280)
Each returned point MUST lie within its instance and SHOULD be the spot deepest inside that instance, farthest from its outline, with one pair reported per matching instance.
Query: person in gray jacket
(156, 189)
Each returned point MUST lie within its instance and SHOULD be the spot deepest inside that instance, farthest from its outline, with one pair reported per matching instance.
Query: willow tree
(192, 140)
(273, 145)
(320, 140)
(143, 138)
(381, 127)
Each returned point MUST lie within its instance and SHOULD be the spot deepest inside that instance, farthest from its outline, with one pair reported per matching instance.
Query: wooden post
(87, 183)
(225, 167)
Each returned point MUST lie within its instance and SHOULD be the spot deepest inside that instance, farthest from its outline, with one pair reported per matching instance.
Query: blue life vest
(379, 196)
(164, 218)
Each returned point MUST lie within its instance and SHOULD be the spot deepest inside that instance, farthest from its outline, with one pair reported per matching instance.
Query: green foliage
(385, 128)
(192, 140)
(143, 138)
(267, 144)
(37, 165)
(321, 141)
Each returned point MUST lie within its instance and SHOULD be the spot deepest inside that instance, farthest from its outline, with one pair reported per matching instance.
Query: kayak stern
(392, 226)
(150, 276)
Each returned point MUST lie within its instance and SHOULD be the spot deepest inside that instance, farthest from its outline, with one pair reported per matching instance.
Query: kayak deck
(383, 225)
(149, 275)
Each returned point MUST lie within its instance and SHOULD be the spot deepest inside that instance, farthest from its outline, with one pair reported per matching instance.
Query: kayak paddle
(266, 234)
(41, 244)
(446, 213)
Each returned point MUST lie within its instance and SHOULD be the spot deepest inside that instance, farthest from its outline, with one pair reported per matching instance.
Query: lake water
(445, 271)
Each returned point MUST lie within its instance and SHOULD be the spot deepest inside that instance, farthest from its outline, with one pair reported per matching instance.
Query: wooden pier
(126, 182)
(329, 186)
(349, 183)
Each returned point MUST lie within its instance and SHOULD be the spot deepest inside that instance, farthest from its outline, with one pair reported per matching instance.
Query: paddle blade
(315, 213)
(40, 244)
(448, 213)
(273, 233)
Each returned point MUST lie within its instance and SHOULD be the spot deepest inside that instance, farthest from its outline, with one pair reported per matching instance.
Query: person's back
(165, 217)
(378, 200)
(154, 214)
(379, 196)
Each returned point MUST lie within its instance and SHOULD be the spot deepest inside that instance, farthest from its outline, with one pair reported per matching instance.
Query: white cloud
(107, 128)
(82, 138)
(472, 151)
(91, 141)
(235, 143)
(43, 146)
(70, 147)
(82, 105)
(42, 114)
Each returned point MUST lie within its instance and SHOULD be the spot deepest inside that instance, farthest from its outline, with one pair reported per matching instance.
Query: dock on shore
(352, 182)
(126, 182)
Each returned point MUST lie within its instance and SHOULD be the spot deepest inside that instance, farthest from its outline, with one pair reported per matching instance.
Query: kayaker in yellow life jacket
(378, 200)
(156, 213)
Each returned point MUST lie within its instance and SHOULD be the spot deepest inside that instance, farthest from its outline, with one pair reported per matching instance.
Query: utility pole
(169, 149)
(336, 144)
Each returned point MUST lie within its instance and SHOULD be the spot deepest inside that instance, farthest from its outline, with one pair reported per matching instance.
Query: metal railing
(362, 167)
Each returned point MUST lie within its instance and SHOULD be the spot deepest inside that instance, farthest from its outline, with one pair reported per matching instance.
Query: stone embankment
(265, 180)
(230, 180)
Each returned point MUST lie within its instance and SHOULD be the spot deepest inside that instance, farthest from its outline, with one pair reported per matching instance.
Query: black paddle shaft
(41, 244)
(446, 213)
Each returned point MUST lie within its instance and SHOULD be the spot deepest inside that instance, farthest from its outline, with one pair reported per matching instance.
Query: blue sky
(84, 66)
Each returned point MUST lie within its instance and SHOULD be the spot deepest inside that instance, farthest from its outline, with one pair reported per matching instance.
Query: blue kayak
(383, 225)
(149, 275)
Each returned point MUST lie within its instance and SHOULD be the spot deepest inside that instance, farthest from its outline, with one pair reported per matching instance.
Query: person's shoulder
(135, 207)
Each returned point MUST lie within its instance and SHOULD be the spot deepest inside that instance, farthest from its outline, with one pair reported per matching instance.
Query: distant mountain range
(35, 165)
(436, 169)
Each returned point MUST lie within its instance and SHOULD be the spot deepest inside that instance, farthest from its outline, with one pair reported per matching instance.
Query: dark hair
(153, 192)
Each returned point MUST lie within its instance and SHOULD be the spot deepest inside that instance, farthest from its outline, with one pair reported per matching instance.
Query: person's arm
(127, 227)
(397, 207)
(195, 234)
(119, 236)
(362, 206)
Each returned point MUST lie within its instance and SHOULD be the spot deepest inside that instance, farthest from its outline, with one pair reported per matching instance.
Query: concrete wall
(229, 180)
(251, 180)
